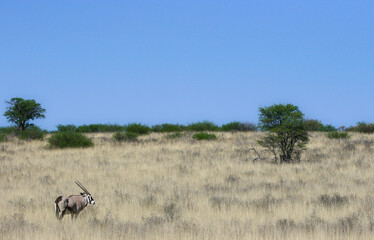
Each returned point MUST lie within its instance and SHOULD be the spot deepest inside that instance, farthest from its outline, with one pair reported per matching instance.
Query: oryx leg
(74, 216)
(62, 215)
(64, 207)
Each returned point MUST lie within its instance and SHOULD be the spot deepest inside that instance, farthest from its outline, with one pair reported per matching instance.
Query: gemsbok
(73, 204)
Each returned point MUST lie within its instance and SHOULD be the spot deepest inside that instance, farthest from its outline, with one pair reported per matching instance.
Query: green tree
(286, 135)
(313, 125)
(21, 112)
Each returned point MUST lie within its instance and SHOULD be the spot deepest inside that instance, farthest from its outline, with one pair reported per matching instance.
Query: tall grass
(160, 188)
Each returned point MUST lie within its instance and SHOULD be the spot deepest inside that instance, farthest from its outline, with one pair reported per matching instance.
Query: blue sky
(186, 61)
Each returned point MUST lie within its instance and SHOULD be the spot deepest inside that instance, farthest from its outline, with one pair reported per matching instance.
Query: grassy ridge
(175, 188)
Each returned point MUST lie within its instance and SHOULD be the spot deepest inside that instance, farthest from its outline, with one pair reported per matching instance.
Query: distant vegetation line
(281, 120)
(310, 124)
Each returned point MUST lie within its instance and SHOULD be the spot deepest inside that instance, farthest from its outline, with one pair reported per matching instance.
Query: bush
(69, 140)
(8, 130)
(248, 127)
(312, 125)
(204, 136)
(238, 126)
(166, 127)
(87, 128)
(327, 128)
(3, 137)
(202, 126)
(31, 133)
(337, 135)
(362, 127)
(66, 128)
(94, 128)
(5, 132)
(125, 136)
(232, 126)
(110, 128)
(175, 135)
(137, 128)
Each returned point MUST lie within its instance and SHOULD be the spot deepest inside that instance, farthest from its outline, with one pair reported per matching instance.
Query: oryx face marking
(90, 199)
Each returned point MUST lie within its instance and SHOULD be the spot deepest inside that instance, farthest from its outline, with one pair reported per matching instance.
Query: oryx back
(76, 203)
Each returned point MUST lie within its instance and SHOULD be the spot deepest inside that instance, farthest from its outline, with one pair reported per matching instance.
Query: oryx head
(86, 193)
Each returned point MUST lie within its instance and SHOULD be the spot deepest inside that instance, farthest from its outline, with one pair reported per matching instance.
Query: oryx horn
(81, 186)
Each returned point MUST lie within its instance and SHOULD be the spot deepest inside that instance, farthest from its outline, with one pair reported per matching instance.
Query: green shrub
(232, 126)
(362, 127)
(119, 136)
(337, 135)
(125, 136)
(204, 136)
(238, 126)
(88, 128)
(110, 128)
(248, 127)
(66, 128)
(137, 128)
(8, 130)
(31, 133)
(313, 125)
(95, 128)
(69, 140)
(327, 128)
(3, 137)
(202, 126)
(166, 127)
(174, 135)
(5, 132)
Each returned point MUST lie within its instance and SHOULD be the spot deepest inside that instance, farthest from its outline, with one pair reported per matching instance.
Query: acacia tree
(286, 135)
(21, 112)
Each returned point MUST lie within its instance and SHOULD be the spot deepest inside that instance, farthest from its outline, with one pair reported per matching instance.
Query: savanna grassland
(180, 188)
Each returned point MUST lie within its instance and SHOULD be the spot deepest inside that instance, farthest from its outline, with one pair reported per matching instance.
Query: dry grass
(179, 188)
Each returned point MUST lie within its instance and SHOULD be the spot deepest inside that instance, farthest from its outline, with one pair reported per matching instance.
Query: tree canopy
(286, 134)
(21, 112)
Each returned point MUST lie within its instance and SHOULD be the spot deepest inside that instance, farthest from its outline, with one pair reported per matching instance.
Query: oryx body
(73, 204)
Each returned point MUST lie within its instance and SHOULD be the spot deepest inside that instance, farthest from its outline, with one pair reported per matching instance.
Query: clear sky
(186, 61)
